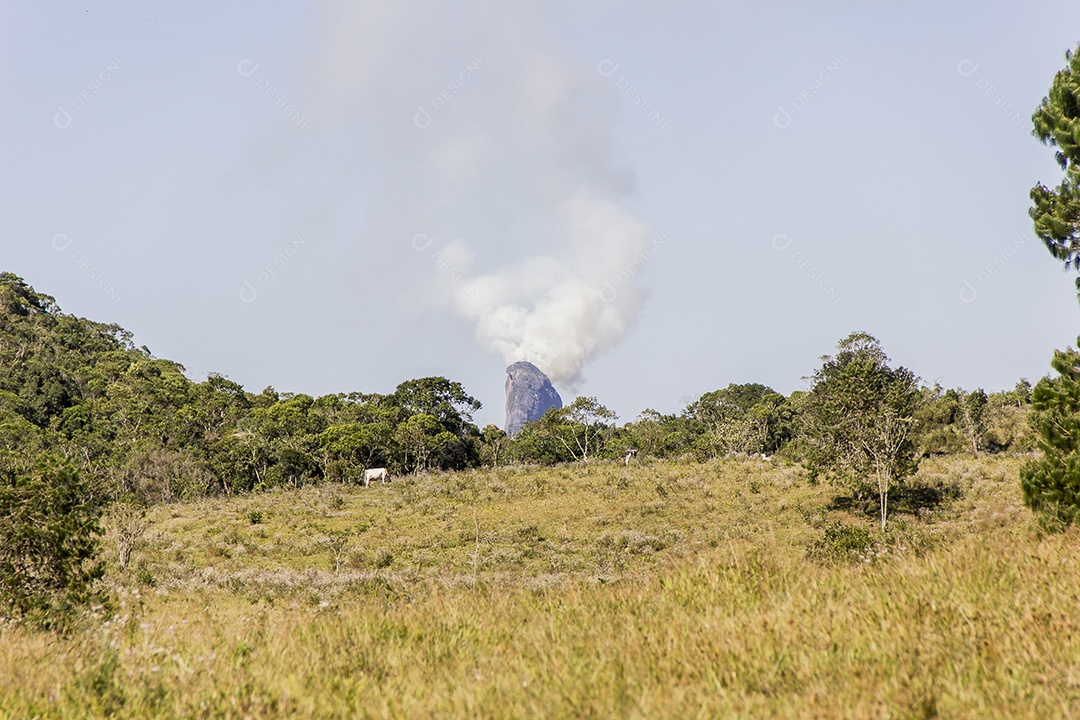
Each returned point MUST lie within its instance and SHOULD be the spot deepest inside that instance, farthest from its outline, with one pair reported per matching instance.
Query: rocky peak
(529, 394)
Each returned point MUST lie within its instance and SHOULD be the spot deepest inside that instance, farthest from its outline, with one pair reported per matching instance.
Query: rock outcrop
(529, 394)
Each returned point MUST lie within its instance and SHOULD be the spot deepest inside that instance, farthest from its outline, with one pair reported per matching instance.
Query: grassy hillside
(659, 590)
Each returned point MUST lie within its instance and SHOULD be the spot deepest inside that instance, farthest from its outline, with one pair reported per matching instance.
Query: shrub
(631, 542)
(48, 543)
(1051, 483)
(126, 523)
(840, 542)
(145, 576)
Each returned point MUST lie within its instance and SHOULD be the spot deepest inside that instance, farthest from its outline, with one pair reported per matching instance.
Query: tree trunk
(883, 497)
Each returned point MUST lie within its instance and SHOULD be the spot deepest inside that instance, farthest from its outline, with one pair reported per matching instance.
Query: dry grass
(664, 590)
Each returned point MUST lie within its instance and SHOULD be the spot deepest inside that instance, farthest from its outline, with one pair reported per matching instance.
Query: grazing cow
(376, 474)
(630, 453)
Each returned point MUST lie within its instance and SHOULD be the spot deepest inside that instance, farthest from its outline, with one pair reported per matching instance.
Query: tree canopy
(82, 392)
(860, 418)
(1056, 212)
(1051, 483)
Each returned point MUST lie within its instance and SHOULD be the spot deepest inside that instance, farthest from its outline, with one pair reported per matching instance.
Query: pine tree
(1057, 124)
(1051, 484)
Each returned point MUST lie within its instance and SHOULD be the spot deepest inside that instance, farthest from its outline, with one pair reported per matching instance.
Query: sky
(648, 200)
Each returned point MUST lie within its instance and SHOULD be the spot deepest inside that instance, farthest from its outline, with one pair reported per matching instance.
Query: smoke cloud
(558, 314)
(494, 142)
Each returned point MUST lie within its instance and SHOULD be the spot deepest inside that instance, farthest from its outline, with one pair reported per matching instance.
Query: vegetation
(81, 390)
(740, 590)
(1057, 124)
(493, 592)
(859, 419)
(575, 432)
(47, 543)
(1051, 482)
(251, 576)
(138, 426)
(244, 573)
(973, 418)
(748, 418)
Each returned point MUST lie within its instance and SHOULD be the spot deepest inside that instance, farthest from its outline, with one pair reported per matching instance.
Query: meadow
(733, 588)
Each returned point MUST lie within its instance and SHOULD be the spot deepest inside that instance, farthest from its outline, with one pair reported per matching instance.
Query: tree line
(81, 393)
(77, 392)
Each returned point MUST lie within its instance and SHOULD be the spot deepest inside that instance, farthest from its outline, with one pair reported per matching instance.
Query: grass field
(727, 589)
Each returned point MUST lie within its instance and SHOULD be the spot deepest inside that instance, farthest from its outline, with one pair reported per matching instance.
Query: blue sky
(331, 197)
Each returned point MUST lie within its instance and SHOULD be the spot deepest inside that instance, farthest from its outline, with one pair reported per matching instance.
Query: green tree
(538, 441)
(442, 399)
(242, 461)
(722, 417)
(580, 427)
(215, 407)
(420, 438)
(748, 418)
(1008, 420)
(287, 433)
(350, 448)
(451, 444)
(1021, 394)
(658, 435)
(936, 413)
(494, 444)
(158, 475)
(48, 542)
(859, 419)
(1056, 212)
(973, 418)
(1051, 483)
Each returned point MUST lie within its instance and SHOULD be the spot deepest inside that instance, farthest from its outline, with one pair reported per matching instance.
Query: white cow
(376, 474)
(631, 453)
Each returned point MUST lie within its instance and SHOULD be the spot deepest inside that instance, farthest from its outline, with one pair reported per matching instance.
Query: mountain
(529, 394)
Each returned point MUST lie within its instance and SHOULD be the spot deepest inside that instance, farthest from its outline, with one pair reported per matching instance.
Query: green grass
(660, 590)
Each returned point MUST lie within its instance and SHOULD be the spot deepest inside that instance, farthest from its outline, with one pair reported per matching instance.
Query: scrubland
(734, 588)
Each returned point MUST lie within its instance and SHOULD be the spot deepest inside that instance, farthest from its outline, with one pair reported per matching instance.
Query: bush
(631, 542)
(840, 542)
(48, 543)
(1051, 484)
(145, 576)
(1008, 428)
(126, 523)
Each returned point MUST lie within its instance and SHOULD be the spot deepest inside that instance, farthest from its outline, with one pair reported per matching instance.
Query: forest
(78, 392)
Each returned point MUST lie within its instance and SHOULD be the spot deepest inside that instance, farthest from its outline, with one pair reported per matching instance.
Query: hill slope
(660, 590)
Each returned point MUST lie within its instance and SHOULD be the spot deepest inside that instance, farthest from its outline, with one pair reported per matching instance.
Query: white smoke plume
(559, 314)
(499, 149)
